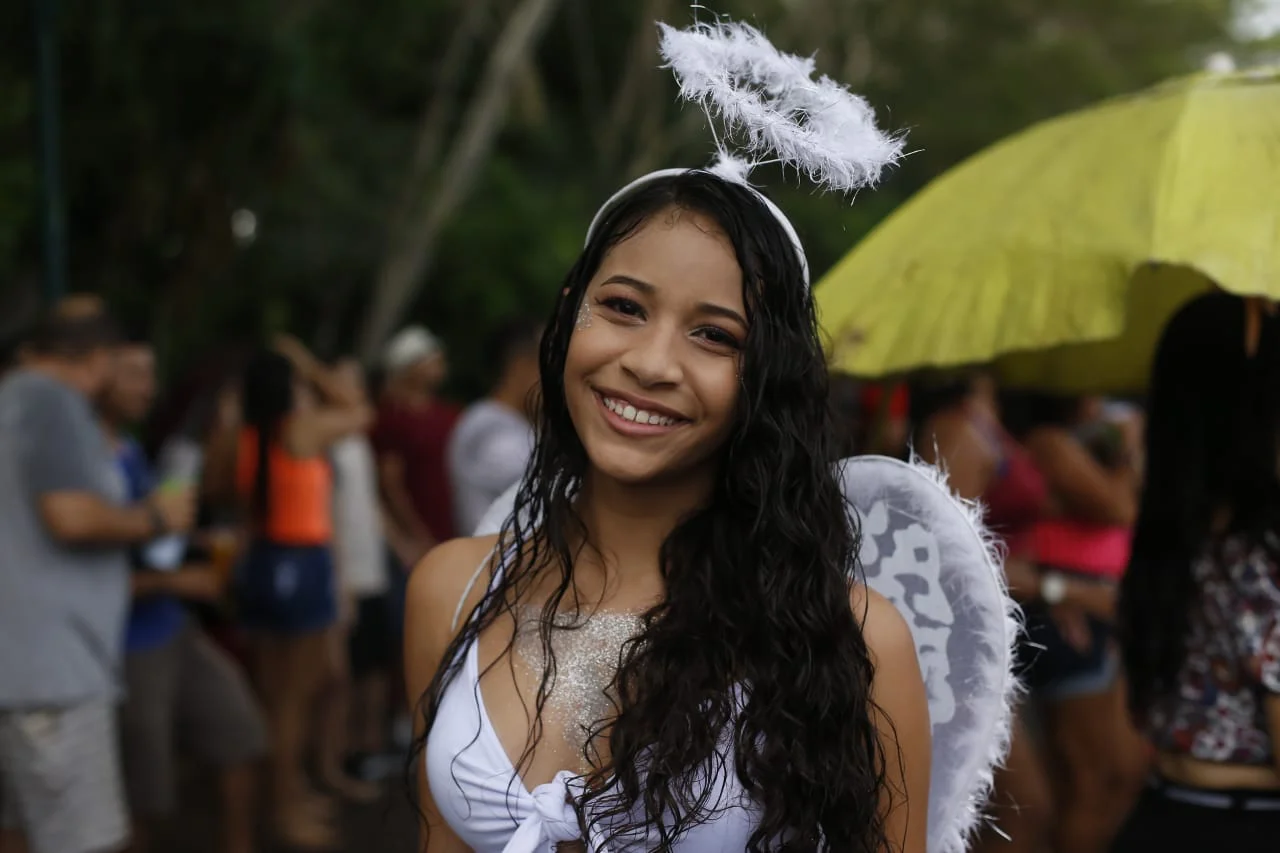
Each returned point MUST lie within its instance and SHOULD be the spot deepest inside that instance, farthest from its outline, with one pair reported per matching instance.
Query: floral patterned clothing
(1233, 659)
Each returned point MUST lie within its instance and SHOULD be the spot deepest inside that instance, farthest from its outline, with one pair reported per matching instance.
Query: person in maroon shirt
(410, 438)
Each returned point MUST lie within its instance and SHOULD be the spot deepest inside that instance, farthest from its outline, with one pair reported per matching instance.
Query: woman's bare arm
(1086, 490)
(902, 720)
(437, 584)
(344, 408)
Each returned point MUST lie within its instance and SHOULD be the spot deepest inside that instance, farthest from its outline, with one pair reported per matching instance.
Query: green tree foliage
(308, 113)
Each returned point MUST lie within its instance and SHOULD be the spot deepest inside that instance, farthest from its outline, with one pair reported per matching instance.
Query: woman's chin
(642, 472)
(632, 476)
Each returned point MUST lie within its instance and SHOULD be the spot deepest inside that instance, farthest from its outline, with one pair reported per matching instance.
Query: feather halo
(769, 101)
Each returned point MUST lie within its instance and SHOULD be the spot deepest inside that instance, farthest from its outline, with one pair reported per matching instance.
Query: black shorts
(372, 643)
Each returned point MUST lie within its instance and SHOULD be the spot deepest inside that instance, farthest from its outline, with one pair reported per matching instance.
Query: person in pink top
(1091, 470)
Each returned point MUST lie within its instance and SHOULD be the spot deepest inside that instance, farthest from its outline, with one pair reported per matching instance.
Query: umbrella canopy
(1049, 238)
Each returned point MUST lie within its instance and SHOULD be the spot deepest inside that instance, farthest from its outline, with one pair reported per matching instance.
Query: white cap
(410, 346)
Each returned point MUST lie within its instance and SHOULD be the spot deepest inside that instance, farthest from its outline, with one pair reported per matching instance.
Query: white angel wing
(928, 552)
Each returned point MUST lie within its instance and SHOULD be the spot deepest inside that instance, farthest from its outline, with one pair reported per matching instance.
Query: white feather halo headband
(769, 102)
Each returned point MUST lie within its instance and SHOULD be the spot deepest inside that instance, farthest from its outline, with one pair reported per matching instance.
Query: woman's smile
(637, 418)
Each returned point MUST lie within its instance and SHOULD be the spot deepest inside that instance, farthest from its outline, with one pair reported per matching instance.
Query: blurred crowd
(218, 582)
(211, 574)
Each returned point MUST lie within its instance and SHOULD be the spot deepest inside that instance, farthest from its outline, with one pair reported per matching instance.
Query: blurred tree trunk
(413, 249)
(438, 116)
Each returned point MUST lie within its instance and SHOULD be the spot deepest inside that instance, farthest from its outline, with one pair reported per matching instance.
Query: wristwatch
(1053, 588)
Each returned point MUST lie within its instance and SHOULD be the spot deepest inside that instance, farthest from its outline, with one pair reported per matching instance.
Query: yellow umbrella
(1038, 241)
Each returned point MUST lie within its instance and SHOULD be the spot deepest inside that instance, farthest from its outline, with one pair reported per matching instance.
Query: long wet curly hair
(754, 661)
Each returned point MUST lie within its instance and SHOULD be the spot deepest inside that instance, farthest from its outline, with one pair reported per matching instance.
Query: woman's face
(651, 375)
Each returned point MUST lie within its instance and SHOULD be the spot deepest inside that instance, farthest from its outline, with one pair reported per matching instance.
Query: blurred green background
(452, 151)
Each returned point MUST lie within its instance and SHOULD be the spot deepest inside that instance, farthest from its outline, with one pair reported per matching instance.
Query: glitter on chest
(586, 657)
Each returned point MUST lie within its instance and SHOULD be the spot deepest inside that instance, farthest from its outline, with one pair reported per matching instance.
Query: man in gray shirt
(64, 591)
(493, 439)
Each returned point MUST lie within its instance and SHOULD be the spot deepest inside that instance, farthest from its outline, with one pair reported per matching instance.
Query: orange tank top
(299, 497)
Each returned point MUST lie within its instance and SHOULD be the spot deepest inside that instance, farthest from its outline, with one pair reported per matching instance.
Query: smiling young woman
(664, 649)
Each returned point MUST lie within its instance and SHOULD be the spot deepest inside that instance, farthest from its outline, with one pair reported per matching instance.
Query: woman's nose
(654, 357)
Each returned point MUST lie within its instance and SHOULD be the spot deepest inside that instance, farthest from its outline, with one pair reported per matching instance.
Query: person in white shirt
(364, 650)
(492, 441)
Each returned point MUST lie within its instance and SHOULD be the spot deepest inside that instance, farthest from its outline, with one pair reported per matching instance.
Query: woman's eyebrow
(648, 289)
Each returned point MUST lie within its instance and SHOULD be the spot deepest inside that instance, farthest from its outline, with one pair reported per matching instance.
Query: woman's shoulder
(451, 577)
(884, 629)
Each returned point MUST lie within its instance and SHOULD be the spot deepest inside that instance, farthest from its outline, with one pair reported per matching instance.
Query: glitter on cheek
(586, 657)
(584, 316)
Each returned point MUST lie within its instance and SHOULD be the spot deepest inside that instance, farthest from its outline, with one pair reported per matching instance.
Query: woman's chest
(549, 686)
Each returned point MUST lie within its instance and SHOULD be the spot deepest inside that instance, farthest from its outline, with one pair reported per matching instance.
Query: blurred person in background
(845, 402)
(411, 441)
(8, 357)
(886, 407)
(355, 709)
(1071, 663)
(294, 410)
(411, 437)
(181, 688)
(492, 441)
(1200, 602)
(65, 524)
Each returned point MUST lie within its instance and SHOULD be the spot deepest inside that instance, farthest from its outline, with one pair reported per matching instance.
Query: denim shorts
(287, 589)
(1054, 669)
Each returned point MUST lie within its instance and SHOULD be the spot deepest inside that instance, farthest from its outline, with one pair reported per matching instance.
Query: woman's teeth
(630, 413)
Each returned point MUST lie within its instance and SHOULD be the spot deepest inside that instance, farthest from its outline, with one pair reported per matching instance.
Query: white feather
(965, 821)
(772, 102)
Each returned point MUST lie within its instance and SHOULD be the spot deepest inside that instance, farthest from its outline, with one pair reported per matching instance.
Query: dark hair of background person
(8, 353)
(71, 336)
(760, 576)
(844, 399)
(1023, 411)
(934, 391)
(189, 404)
(266, 398)
(513, 338)
(1213, 422)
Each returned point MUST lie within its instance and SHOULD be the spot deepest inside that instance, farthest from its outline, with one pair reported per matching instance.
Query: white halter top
(485, 802)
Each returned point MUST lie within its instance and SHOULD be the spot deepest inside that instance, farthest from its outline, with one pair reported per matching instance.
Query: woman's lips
(625, 418)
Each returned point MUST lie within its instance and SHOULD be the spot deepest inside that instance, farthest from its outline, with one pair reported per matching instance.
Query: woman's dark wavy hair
(1211, 446)
(755, 648)
(266, 396)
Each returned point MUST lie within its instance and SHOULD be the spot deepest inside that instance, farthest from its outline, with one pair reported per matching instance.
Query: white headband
(645, 180)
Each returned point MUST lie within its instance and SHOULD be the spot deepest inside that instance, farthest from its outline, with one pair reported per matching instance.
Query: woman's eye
(719, 337)
(625, 307)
